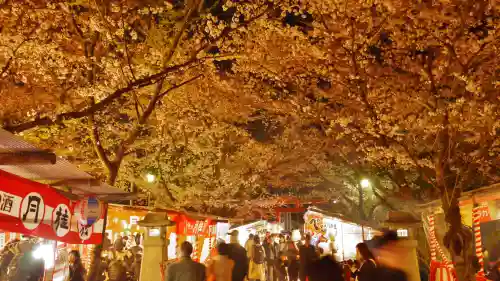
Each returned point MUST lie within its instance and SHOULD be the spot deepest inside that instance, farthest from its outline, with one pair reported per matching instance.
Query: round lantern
(88, 210)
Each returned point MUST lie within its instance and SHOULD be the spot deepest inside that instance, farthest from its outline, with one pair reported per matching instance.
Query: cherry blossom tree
(410, 87)
(264, 94)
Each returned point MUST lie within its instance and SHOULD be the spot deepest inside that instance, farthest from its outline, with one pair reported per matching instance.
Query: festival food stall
(335, 233)
(260, 227)
(480, 211)
(201, 231)
(38, 210)
(43, 223)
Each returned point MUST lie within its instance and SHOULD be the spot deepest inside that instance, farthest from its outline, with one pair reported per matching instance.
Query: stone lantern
(406, 224)
(155, 246)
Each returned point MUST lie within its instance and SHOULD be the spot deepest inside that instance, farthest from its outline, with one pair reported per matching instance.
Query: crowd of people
(278, 258)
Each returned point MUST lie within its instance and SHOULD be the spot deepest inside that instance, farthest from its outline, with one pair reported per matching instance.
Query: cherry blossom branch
(9, 61)
(99, 106)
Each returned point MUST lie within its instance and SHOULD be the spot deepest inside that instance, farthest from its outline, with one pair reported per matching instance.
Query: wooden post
(27, 158)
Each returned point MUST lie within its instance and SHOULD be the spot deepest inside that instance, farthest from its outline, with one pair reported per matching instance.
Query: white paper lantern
(88, 210)
(296, 236)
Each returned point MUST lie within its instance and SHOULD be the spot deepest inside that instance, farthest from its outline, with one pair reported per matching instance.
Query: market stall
(42, 217)
(202, 232)
(39, 219)
(336, 234)
(260, 227)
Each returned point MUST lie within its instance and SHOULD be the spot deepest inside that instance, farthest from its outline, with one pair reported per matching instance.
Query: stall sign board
(187, 226)
(36, 209)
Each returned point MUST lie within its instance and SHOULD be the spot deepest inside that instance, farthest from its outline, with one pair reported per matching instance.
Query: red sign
(196, 227)
(484, 214)
(37, 209)
(187, 226)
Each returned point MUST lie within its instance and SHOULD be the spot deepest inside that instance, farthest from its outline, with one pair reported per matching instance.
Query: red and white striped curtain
(440, 270)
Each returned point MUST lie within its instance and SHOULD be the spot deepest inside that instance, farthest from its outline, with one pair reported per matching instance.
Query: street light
(365, 183)
(150, 178)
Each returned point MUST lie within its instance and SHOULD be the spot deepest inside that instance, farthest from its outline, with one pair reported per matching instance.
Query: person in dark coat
(186, 269)
(292, 264)
(76, 269)
(325, 269)
(307, 255)
(389, 255)
(239, 255)
(367, 263)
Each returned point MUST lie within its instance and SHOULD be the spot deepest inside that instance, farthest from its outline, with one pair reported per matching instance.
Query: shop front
(260, 228)
(334, 234)
(39, 223)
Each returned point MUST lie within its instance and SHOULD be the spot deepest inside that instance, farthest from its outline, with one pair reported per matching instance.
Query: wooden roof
(23, 159)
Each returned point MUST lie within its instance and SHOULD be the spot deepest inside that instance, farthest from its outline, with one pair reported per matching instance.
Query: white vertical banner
(2, 240)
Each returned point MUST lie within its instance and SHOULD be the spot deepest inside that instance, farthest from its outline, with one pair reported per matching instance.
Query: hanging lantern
(88, 210)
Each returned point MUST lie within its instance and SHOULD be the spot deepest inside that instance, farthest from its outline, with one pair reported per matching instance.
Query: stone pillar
(403, 255)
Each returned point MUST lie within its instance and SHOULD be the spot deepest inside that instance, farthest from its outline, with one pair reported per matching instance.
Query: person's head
(223, 249)
(389, 250)
(320, 251)
(350, 262)
(363, 253)
(186, 249)
(269, 239)
(119, 244)
(251, 236)
(233, 237)
(307, 239)
(137, 239)
(256, 239)
(74, 256)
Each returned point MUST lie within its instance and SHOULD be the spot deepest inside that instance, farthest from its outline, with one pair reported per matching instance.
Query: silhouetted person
(307, 254)
(389, 255)
(366, 261)
(325, 269)
(76, 269)
(186, 269)
(239, 255)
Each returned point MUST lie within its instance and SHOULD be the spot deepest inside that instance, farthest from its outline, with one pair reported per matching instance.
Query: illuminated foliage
(406, 88)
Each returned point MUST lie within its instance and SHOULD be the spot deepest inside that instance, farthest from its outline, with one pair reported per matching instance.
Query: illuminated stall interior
(260, 228)
(338, 234)
(20, 158)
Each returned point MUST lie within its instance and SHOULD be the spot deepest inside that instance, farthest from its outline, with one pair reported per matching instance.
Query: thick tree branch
(101, 105)
(134, 133)
(96, 142)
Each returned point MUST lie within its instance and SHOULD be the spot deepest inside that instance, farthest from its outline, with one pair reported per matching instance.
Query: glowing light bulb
(150, 178)
(365, 183)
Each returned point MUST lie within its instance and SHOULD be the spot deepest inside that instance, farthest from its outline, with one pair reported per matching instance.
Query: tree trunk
(361, 203)
(458, 239)
(112, 174)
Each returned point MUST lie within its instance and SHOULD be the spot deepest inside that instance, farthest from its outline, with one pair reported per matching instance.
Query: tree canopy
(229, 101)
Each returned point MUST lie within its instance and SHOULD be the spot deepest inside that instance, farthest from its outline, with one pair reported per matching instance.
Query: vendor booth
(260, 227)
(39, 224)
(201, 231)
(335, 234)
(162, 230)
(38, 211)
(480, 211)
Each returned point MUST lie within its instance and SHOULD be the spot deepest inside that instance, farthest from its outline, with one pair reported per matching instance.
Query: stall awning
(25, 160)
